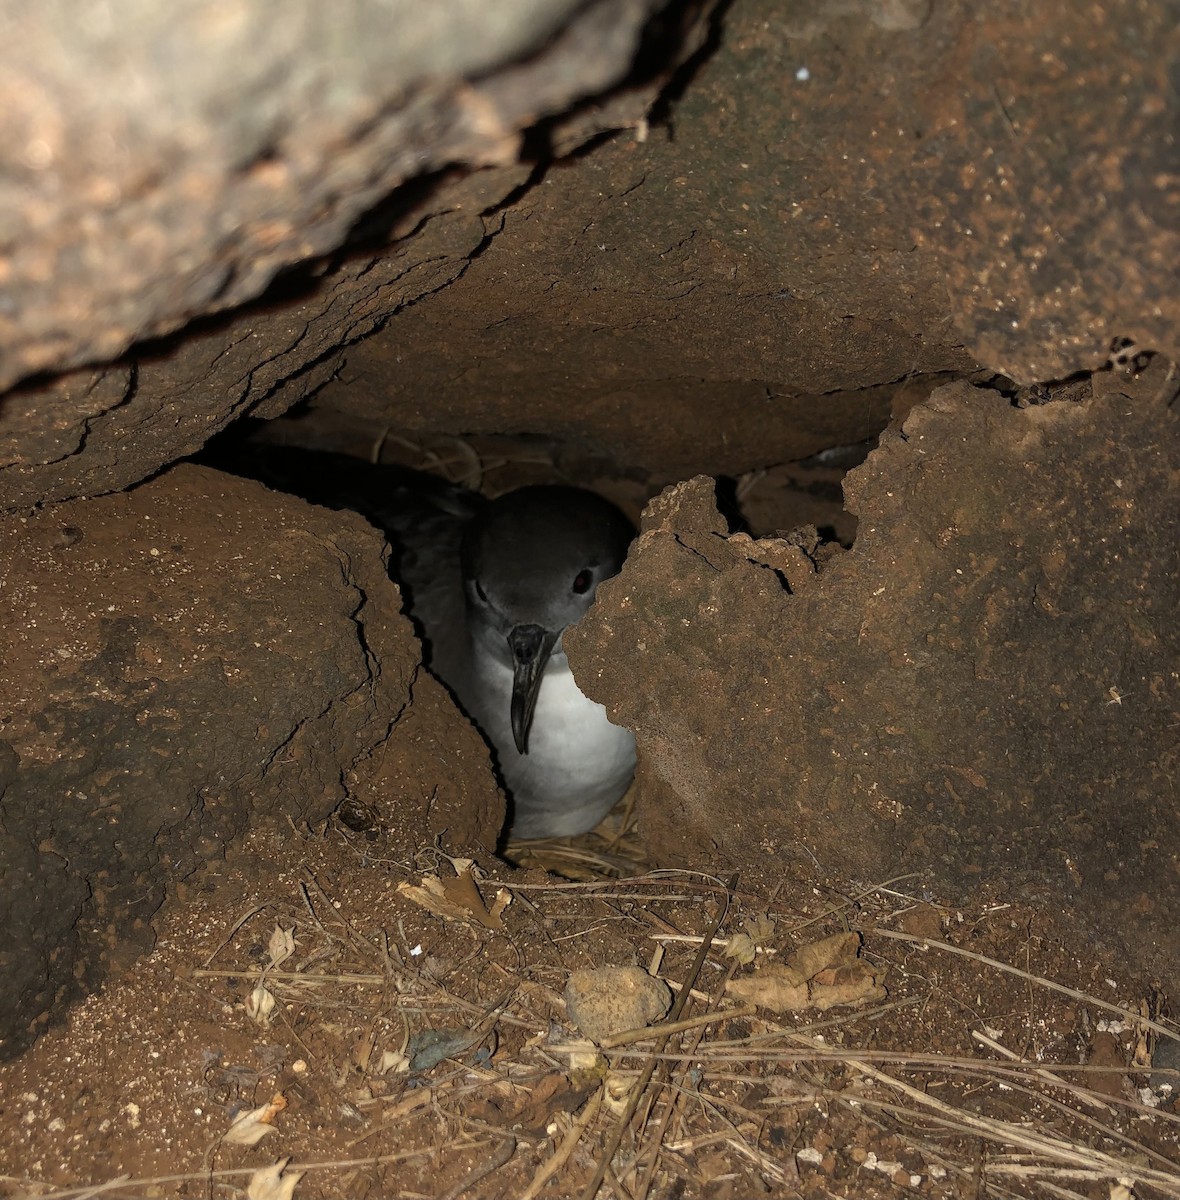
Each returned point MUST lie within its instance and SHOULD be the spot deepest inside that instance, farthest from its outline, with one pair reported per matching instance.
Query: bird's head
(532, 562)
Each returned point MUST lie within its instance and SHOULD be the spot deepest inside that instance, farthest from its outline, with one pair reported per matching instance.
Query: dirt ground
(335, 1012)
(378, 1048)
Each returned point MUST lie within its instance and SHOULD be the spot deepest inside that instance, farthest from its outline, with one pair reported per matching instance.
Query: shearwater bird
(492, 586)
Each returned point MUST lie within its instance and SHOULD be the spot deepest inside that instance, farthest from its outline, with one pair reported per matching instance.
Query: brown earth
(986, 685)
(142, 1078)
(133, 1094)
(180, 660)
(834, 211)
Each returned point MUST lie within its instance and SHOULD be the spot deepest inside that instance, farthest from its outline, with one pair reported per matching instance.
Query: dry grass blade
(498, 1160)
(673, 1113)
(233, 929)
(1070, 1153)
(581, 861)
(667, 1028)
(851, 902)
(715, 1096)
(1083, 1094)
(80, 1193)
(568, 1144)
(109, 1186)
(344, 977)
(616, 1135)
(1132, 1017)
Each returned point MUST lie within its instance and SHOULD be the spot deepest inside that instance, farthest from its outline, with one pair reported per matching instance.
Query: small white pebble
(802, 74)
(809, 1154)
(299, 1066)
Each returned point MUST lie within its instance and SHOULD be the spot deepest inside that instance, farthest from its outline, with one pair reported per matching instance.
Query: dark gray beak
(531, 647)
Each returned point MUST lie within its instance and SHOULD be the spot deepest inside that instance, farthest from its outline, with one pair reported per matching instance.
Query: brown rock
(602, 1001)
(180, 660)
(986, 681)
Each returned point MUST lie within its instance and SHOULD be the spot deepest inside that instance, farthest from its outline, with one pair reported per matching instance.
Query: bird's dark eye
(480, 592)
(582, 582)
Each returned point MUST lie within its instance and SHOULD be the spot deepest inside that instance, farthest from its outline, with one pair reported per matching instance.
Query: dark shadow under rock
(987, 684)
(179, 659)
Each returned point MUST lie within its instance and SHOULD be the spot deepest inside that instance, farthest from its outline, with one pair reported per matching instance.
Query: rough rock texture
(988, 682)
(153, 253)
(1049, 158)
(847, 196)
(603, 1001)
(850, 201)
(725, 295)
(176, 659)
(89, 432)
(168, 162)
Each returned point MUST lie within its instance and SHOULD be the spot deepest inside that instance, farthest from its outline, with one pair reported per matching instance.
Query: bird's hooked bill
(531, 646)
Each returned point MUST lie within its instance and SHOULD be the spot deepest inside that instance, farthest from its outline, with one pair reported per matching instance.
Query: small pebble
(607, 1000)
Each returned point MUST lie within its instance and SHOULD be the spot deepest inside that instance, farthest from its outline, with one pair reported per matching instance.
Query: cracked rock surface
(986, 685)
(168, 163)
(180, 660)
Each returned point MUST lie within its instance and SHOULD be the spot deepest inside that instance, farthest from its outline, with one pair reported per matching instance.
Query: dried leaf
(362, 1049)
(583, 1054)
(463, 892)
(428, 1047)
(249, 1128)
(552, 1094)
(260, 1004)
(281, 945)
(856, 983)
(831, 951)
(274, 1182)
(740, 946)
(743, 946)
(393, 1060)
(774, 986)
(1141, 1056)
(821, 975)
(246, 1131)
(456, 898)
(1107, 1051)
(616, 1092)
(502, 901)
